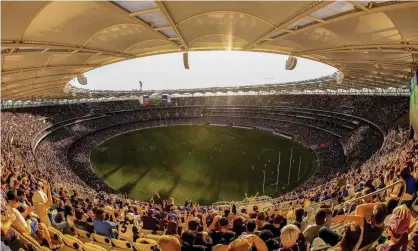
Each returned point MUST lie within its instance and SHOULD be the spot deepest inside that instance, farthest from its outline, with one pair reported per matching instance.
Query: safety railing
(380, 195)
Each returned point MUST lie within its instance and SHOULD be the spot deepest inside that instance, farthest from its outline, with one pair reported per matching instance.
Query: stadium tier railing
(377, 196)
(9, 104)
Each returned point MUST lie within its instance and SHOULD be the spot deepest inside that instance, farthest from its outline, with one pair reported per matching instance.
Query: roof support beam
(165, 12)
(140, 21)
(12, 50)
(11, 71)
(37, 89)
(32, 44)
(13, 87)
(163, 28)
(316, 19)
(304, 13)
(338, 18)
(141, 12)
(405, 47)
(40, 77)
(359, 6)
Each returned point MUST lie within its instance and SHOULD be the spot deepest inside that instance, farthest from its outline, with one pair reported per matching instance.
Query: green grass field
(202, 163)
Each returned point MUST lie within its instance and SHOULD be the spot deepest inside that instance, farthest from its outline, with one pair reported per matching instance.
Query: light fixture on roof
(82, 79)
(340, 78)
(291, 63)
(186, 60)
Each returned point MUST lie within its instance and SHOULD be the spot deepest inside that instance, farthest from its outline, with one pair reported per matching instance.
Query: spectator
(102, 226)
(372, 229)
(398, 230)
(292, 239)
(169, 243)
(351, 238)
(82, 224)
(149, 221)
(127, 230)
(276, 226)
(312, 231)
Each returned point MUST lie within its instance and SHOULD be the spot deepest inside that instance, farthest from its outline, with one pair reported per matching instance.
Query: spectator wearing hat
(319, 245)
(398, 230)
(127, 230)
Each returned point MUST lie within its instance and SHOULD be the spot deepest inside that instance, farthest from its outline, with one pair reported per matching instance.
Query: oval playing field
(202, 163)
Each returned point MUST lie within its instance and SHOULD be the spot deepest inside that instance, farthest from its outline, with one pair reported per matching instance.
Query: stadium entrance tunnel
(203, 163)
(208, 69)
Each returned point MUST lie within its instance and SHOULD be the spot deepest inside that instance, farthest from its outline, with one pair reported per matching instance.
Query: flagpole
(300, 160)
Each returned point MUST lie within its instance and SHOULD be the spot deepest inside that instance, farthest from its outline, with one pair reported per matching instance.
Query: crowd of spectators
(53, 186)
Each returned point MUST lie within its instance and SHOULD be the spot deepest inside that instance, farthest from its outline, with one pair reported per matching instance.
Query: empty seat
(144, 244)
(145, 231)
(121, 244)
(56, 234)
(153, 237)
(103, 240)
(93, 247)
(83, 234)
(160, 232)
(72, 242)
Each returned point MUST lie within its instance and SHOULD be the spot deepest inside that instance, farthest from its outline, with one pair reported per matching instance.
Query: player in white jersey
(127, 229)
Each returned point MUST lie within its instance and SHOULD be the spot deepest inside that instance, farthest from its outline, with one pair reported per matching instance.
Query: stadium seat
(93, 247)
(31, 243)
(56, 234)
(160, 232)
(103, 240)
(153, 237)
(145, 231)
(72, 230)
(83, 234)
(72, 242)
(122, 244)
(144, 244)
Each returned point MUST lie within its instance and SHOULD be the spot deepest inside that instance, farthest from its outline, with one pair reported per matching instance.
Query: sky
(207, 69)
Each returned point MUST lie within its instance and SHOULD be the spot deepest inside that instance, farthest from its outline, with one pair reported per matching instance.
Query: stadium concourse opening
(208, 69)
(203, 163)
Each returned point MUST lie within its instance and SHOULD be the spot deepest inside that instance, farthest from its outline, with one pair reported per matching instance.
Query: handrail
(385, 189)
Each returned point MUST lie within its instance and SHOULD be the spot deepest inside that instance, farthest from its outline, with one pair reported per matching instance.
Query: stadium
(328, 162)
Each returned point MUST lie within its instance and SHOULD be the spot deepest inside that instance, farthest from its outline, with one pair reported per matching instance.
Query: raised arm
(361, 210)
(355, 218)
(48, 191)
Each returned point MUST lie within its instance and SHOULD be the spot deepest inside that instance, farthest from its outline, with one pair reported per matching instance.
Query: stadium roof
(46, 44)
